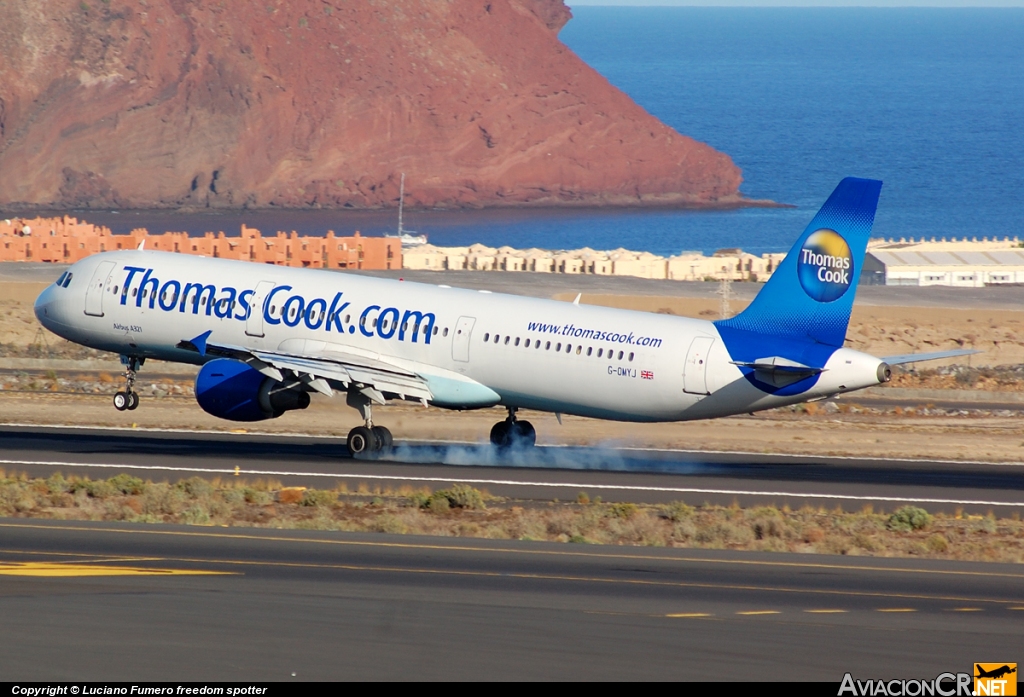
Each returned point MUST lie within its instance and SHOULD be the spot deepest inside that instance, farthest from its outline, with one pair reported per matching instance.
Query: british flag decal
(647, 374)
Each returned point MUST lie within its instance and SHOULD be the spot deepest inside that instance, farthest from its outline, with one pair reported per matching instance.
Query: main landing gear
(128, 399)
(513, 433)
(368, 440)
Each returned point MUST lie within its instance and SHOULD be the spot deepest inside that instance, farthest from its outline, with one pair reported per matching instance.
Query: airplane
(994, 673)
(267, 337)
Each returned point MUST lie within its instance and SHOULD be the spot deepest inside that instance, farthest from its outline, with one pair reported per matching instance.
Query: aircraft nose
(46, 306)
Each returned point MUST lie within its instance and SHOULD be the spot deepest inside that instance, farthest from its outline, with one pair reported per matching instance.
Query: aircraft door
(254, 318)
(460, 343)
(94, 294)
(696, 367)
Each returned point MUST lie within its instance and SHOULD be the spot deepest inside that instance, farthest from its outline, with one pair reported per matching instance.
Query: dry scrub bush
(639, 529)
(318, 497)
(937, 543)
(676, 511)
(908, 518)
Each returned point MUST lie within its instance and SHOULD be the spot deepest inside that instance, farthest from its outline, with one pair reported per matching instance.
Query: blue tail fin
(810, 295)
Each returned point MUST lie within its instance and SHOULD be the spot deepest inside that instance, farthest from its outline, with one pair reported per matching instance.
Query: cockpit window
(67, 281)
(60, 281)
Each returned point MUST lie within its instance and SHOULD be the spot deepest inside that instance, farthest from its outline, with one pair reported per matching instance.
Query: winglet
(577, 300)
(142, 245)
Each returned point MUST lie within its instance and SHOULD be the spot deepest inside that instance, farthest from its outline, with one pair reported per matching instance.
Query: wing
(914, 357)
(373, 377)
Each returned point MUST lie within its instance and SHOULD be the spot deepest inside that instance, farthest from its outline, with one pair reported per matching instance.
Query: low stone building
(689, 266)
(959, 263)
(66, 240)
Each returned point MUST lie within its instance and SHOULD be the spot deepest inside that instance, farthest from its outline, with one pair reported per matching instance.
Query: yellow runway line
(825, 612)
(689, 614)
(760, 612)
(896, 609)
(73, 570)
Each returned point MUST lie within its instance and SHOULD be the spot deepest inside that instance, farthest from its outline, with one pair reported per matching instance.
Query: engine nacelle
(230, 389)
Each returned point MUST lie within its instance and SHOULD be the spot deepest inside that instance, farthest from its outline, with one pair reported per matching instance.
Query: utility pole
(725, 290)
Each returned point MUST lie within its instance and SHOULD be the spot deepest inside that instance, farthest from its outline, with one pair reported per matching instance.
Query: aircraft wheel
(120, 401)
(362, 441)
(133, 401)
(525, 434)
(384, 438)
(499, 434)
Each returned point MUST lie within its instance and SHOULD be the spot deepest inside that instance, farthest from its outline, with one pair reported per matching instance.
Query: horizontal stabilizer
(915, 357)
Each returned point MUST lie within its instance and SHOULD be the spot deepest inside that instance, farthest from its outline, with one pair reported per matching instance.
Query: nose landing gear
(128, 399)
(513, 433)
(368, 440)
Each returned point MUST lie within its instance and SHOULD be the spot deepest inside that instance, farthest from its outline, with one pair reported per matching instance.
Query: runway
(101, 601)
(545, 473)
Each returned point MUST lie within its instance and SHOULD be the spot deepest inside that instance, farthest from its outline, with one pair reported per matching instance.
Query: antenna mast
(401, 203)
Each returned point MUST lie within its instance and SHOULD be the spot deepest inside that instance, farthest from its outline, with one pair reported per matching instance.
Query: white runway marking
(513, 482)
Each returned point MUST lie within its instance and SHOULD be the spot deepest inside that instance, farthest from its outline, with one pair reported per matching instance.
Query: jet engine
(230, 389)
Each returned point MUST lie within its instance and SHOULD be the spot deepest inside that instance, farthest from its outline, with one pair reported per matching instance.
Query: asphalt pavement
(101, 601)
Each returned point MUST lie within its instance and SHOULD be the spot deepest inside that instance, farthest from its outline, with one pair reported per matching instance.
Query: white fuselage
(533, 353)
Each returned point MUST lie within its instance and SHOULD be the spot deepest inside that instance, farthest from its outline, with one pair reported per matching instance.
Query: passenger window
(348, 318)
(600, 352)
(590, 350)
(526, 344)
(487, 337)
(548, 346)
(506, 340)
(631, 357)
(579, 350)
(435, 331)
(135, 291)
(445, 332)
(115, 290)
(496, 338)
(517, 341)
(620, 355)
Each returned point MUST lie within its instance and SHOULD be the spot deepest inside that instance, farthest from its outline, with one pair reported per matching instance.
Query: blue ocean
(929, 100)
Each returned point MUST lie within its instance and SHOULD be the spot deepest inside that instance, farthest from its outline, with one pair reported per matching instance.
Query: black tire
(499, 434)
(384, 438)
(120, 401)
(362, 441)
(133, 401)
(525, 435)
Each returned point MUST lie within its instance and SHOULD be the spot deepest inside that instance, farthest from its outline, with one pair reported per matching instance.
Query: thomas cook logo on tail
(825, 266)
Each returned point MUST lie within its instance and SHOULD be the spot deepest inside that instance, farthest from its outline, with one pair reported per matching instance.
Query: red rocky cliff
(231, 103)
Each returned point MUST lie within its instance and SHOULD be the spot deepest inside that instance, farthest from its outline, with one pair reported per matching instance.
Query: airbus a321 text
(266, 337)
